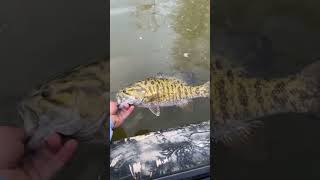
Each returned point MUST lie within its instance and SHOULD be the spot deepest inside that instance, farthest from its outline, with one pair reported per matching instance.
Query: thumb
(113, 107)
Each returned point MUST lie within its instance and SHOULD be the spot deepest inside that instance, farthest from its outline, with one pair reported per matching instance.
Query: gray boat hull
(161, 153)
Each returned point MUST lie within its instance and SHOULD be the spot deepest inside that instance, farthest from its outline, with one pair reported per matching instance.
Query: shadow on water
(271, 39)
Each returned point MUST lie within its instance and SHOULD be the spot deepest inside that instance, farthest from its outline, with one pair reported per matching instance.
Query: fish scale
(160, 91)
(237, 101)
(73, 103)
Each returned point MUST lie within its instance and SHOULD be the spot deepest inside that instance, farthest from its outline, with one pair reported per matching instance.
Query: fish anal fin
(235, 131)
(155, 110)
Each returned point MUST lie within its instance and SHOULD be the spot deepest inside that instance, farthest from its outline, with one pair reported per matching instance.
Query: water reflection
(151, 15)
(191, 22)
(155, 36)
(147, 17)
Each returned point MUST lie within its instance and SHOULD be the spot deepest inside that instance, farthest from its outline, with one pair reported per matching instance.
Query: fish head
(131, 95)
(73, 104)
(46, 110)
(33, 106)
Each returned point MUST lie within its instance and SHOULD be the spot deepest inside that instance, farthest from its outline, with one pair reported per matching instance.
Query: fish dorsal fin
(155, 110)
(221, 64)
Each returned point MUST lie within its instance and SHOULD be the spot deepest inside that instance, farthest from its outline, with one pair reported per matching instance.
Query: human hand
(40, 165)
(117, 116)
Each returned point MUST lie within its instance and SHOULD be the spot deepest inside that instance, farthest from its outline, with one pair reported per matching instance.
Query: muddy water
(150, 36)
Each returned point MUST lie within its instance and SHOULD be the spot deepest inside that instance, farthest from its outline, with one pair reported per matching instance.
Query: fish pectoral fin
(155, 110)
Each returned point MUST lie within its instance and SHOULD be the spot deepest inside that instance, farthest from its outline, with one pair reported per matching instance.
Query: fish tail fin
(234, 131)
(311, 75)
(204, 90)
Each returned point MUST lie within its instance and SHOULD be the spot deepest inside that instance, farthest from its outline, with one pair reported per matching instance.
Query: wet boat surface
(163, 153)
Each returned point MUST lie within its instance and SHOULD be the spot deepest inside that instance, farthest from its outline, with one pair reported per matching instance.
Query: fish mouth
(122, 104)
(29, 118)
(122, 101)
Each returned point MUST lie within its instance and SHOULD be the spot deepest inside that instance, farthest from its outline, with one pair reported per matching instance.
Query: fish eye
(45, 93)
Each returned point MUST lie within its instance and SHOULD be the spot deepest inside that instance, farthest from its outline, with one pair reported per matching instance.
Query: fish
(161, 90)
(73, 104)
(238, 100)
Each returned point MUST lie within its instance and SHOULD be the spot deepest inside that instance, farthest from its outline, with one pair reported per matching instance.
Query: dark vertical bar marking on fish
(242, 95)
(186, 92)
(158, 92)
(173, 93)
(279, 93)
(197, 91)
(258, 92)
(230, 76)
(164, 93)
(223, 100)
(190, 92)
(243, 99)
(218, 65)
(179, 92)
(168, 92)
(150, 89)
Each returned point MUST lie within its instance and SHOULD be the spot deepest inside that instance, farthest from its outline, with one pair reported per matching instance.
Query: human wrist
(113, 122)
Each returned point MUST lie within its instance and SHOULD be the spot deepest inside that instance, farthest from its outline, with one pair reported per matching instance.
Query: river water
(151, 36)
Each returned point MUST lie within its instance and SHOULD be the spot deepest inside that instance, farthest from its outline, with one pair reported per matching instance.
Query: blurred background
(39, 39)
(269, 39)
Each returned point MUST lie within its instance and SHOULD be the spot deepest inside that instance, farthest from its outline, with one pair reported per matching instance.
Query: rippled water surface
(151, 36)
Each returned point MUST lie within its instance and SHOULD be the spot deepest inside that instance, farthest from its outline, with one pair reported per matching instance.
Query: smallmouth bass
(73, 104)
(161, 91)
(238, 101)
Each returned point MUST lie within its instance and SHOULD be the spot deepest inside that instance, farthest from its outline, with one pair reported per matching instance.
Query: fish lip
(121, 105)
(29, 118)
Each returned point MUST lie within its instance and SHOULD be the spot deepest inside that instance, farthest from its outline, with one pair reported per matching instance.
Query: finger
(126, 105)
(12, 132)
(113, 107)
(54, 142)
(12, 149)
(11, 154)
(66, 152)
(125, 113)
(58, 160)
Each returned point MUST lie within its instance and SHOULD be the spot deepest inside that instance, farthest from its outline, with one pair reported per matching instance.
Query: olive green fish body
(236, 100)
(161, 91)
(73, 103)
